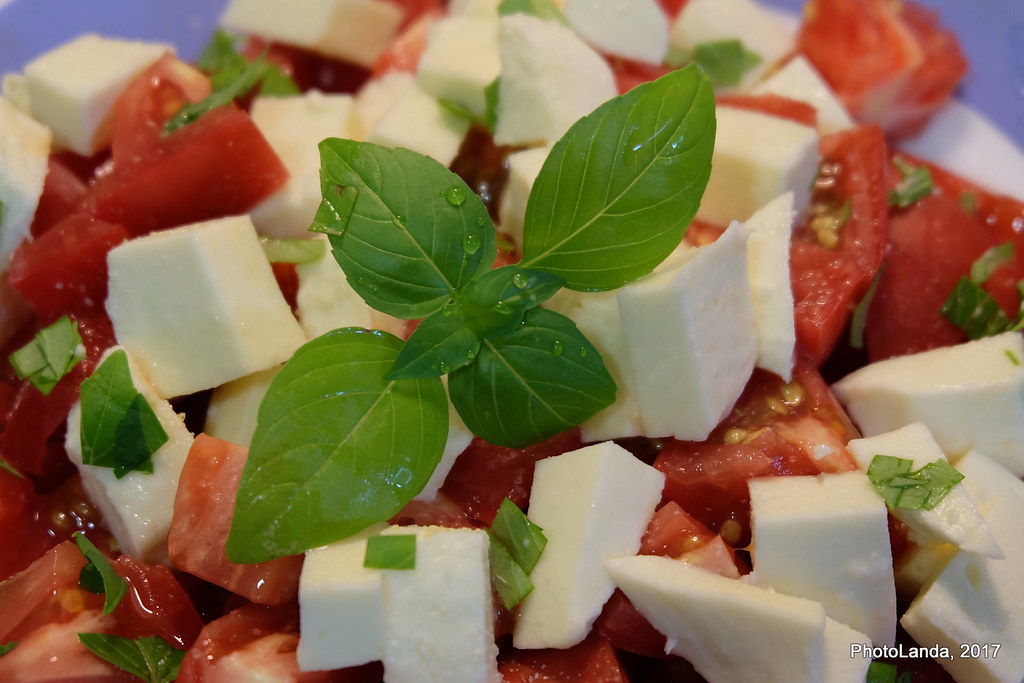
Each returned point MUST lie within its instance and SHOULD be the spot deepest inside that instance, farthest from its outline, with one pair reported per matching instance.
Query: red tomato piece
(309, 70)
(672, 7)
(829, 280)
(775, 105)
(63, 189)
(592, 661)
(622, 625)
(442, 511)
(404, 52)
(629, 74)
(155, 604)
(203, 509)
(414, 9)
(672, 532)
(23, 535)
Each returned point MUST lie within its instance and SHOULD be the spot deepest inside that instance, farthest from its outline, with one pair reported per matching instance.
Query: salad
(523, 340)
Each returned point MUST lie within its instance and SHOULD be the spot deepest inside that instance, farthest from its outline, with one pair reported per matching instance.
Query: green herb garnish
(859, 319)
(7, 647)
(119, 428)
(391, 552)
(292, 251)
(883, 672)
(915, 184)
(8, 467)
(903, 487)
(725, 61)
(542, 9)
(151, 659)
(510, 580)
(99, 575)
(53, 352)
(516, 545)
(973, 309)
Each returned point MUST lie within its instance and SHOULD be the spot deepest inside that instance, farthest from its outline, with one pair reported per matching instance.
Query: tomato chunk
(776, 105)
(593, 661)
(155, 604)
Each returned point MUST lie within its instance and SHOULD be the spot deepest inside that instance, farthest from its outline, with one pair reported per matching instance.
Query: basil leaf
(618, 190)
(119, 428)
(8, 467)
(292, 251)
(974, 310)
(220, 54)
(902, 487)
(508, 577)
(335, 209)
(391, 552)
(225, 92)
(992, 260)
(151, 659)
(441, 343)
(523, 539)
(496, 302)
(7, 647)
(491, 104)
(883, 672)
(914, 185)
(407, 247)
(542, 379)
(725, 61)
(542, 9)
(53, 352)
(111, 583)
(337, 447)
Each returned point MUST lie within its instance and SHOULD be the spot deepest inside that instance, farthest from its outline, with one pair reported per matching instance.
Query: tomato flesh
(592, 661)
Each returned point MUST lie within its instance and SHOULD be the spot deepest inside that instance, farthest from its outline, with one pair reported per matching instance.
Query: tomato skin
(309, 70)
(672, 532)
(592, 661)
(63, 189)
(775, 105)
(203, 509)
(629, 74)
(404, 52)
(155, 604)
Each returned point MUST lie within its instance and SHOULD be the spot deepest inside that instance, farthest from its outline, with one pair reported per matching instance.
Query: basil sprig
(973, 309)
(901, 486)
(152, 659)
(390, 552)
(516, 546)
(99, 575)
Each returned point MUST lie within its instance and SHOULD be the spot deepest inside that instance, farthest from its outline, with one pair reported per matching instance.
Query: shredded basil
(516, 546)
(903, 487)
(53, 352)
(391, 552)
(152, 659)
(725, 61)
(914, 185)
(99, 575)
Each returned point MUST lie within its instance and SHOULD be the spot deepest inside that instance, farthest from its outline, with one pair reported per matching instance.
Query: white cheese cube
(840, 666)
(826, 538)
(955, 519)
(730, 630)
(969, 396)
(417, 121)
(549, 79)
(593, 503)
(231, 413)
(799, 80)
(758, 29)
(459, 438)
(985, 479)
(73, 88)
(476, 8)
(918, 565)
(24, 158)
(378, 95)
(771, 228)
(975, 607)
(439, 617)
(294, 126)
(356, 31)
(691, 338)
(198, 306)
(757, 157)
(14, 88)
(523, 168)
(634, 29)
(138, 507)
(461, 59)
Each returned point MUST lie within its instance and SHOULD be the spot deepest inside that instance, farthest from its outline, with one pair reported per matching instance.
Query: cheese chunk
(198, 306)
(955, 519)
(138, 507)
(24, 158)
(378, 95)
(592, 503)
(294, 126)
(826, 538)
(356, 31)
(73, 88)
(799, 80)
(417, 121)
(970, 396)
(771, 228)
(757, 157)
(523, 168)
(476, 8)
(14, 89)
(549, 79)
(985, 479)
(691, 337)
(459, 438)
(634, 29)
(444, 70)
(231, 413)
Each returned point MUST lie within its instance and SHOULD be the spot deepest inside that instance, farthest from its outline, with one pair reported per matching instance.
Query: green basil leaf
(111, 584)
(335, 210)
(441, 343)
(915, 184)
(725, 61)
(226, 91)
(53, 352)
(491, 104)
(974, 310)
(7, 647)
(337, 447)
(8, 467)
(276, 83)
(523, 539)
(119, 428)
(902, 487)
(292, 251)
(220, 54)
(415, 233)
(152, 659)
(391, 552)
(542, 9)
(618, 190)
(508, 577)
(544, 378)
(992, 260)
(496, 302)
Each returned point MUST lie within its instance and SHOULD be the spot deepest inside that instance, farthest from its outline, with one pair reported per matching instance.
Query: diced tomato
(621, 624)
(414, 9)
(23, 535)
(287, 281)
(155, 604)
(203, 509)
(592, 661)
(830, 279)
(672, 532)
(484, 475)
(63, 189)
(629, 74)
(309, 70)
(404, 52)
(775, 105)
(907, 66)
(672, 7)
(441, 511)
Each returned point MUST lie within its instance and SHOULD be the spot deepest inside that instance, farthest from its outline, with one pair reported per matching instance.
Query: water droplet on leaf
(455, 195)
(557, 347)
(471, 243)
(520, 280)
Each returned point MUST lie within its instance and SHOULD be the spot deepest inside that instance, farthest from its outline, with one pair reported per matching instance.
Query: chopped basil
(915, 184)
(903, 487)
(99, 575)
(119, 428)
(1013, 358)
(458, 110)
(883, 672)
(859, 319)
(292, 251)
(542, 9)
(508, 577)
(53, 352)
(516, 545)
(491, 104)
(992, 260)
(973, 309)
(391, 552)
(968, 201)
(8, 467)
(725, 61)
(151, 659)
(7, 647)
(242, 83)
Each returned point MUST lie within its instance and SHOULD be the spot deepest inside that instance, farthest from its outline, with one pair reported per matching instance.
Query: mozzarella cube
(138, 507)
(378, 95)
(985, 479)
(231, 413)
(918, 566)
(523, 168)
(840, 666)
(24, 159)
(294, 126)
(955, 519)
(198, 306)
(978, 602)
(417, 121)
(461, 59)
(73, 88)
(549, 79)
(970, 396)
(757, 157)
(356, 31)
(14, 88)
(826, 538)
(459, 438)
(771, 228)
(691, 338)
(634, 29)
(799, 80)
(476, 8)
(578, 500)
